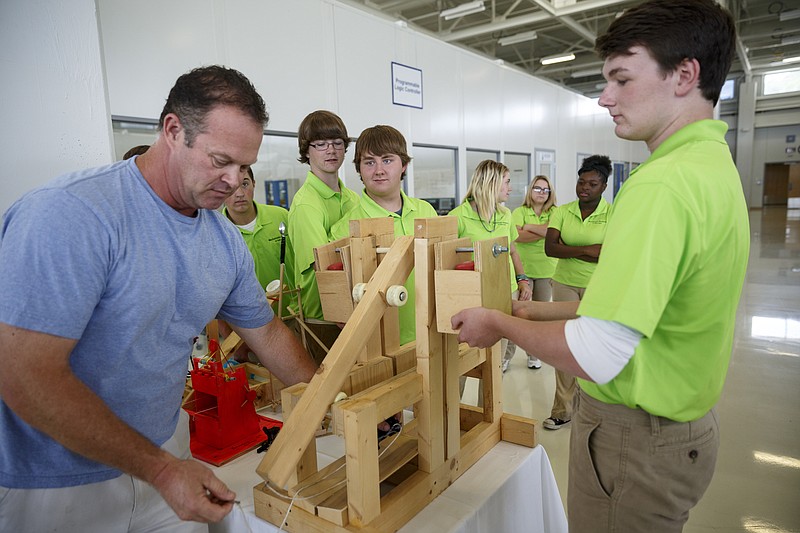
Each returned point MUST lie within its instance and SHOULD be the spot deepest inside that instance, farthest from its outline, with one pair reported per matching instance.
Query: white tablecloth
(510, 489)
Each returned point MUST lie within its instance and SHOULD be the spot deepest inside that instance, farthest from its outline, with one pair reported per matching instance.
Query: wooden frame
(442, 442)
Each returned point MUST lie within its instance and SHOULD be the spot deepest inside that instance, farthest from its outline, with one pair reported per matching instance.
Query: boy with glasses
(320, 203)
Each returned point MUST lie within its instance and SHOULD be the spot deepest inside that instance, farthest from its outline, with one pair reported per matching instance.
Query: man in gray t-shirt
(106, 277)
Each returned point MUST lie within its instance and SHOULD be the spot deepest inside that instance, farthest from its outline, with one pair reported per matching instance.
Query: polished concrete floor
(756, 487)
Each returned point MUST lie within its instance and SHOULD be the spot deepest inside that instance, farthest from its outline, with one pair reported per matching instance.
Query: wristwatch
(522, 277)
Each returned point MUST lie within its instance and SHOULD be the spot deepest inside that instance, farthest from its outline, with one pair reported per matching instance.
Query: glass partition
(519, 166)
(435, 171)
(475, 156)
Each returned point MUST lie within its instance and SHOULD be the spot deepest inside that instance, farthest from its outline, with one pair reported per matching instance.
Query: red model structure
(223, 421)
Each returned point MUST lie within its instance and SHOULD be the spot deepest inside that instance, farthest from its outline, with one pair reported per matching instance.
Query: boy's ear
(688, 73)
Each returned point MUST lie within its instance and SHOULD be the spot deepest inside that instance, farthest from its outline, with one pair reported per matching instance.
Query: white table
(509, 489)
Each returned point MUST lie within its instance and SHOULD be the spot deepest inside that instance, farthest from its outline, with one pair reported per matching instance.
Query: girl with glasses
(531, 220)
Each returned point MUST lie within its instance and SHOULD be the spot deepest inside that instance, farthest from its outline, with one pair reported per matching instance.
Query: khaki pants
(631, 471)
(565, 383)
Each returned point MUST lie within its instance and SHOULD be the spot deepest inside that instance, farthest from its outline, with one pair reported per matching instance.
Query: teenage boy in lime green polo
(381, 159)
(259, 225)
(320, 203)
(653, 340)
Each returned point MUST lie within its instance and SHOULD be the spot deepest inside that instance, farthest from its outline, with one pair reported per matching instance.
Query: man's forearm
(543, 311)
(545, 340)
(79, 420)
(280, 352)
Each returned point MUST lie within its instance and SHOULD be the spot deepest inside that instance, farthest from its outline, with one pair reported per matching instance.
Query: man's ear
(172, 129)
(688, 73)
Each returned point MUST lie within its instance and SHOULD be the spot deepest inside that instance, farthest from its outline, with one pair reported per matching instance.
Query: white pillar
(745, 136)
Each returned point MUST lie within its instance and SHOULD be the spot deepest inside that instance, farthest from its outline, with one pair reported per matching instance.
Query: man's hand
(476, 326)
(193, 491)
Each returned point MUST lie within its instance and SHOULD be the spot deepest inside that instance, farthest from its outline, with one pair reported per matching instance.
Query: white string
(244, 516)
(337, 485)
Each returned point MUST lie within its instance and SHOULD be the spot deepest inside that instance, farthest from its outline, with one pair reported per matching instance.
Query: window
(787, 81)
(132, 132)
(435, 176)
(277, 160)
(546, 164)
(728, 91)
(475, 156)
(519, 166)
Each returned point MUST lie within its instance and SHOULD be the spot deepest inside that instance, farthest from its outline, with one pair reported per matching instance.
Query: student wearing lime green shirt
(259, 225)
(575, 237)
(653, 341)
(381, 159)
(320, 203)
(531, 219)
(482, 216)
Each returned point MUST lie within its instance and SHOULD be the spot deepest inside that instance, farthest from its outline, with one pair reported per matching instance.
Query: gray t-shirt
(97, 256)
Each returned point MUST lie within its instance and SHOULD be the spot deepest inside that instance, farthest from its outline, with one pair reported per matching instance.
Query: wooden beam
(390, 397)
(519, 430)
(430, 361)
(452, 396)
(361, 448)
(307, 465)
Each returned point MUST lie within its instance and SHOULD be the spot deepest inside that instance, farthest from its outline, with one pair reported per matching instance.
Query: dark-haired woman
(575, 236)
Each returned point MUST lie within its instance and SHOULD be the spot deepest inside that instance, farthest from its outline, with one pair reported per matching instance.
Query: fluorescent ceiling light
(587, 72)
(560, 58)
(795, 59)
(789, 15)
(518, 38)
(464, 9)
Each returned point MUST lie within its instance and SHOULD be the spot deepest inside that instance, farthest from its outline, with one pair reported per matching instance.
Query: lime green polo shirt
(413, 209)
(264, 243)
(538, 265)
(576, 231)
(314, 210)
(672, 268)
(470, 225)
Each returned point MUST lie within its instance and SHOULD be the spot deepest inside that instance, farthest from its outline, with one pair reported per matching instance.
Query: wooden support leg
(430, 365)
(453, 395)
(307, 465)
(361, 446)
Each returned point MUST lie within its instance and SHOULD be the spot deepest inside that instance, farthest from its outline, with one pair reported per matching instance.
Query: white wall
(64, 76)
(309, 54)
(52, 97)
